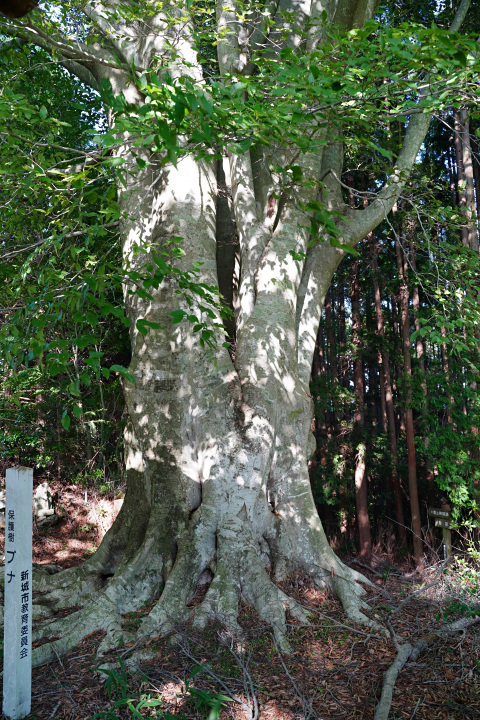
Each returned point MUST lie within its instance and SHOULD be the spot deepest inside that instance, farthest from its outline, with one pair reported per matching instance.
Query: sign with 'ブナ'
(17, 647)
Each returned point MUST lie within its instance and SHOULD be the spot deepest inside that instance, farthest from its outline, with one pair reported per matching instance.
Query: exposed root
(241, 574)
(406, 652)
(73, 629)
(221, 601)
(348, 586)
(56, 586)
(128, 590)
(195, 552)
(295, 609)
(270, 602)
(234, 557)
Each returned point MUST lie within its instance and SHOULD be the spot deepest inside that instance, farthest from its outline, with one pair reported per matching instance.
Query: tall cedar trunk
(373, 377)
(384, 364)
(383, 398)
(420, 351)
(416, 315)
(343, 352)
(397, 373)
(361, 498)
(318, 365)
(476, 177)
(451, 177)
(410, 431)
(465, 179)
(332, 359)
(320, 420)
(476, 172)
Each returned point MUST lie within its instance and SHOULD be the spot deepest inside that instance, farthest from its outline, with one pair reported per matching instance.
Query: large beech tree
(218, 438)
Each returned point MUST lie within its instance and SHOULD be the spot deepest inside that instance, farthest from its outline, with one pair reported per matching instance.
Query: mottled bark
(446, 371)
(344, 356)
(476, 172)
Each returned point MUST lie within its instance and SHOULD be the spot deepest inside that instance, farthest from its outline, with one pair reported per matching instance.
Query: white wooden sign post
(17, 641)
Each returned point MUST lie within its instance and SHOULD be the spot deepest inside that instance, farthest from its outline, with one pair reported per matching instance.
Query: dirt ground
(334, 672)
(85, 517)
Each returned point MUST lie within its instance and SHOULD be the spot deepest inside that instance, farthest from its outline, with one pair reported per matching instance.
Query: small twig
(59, 659)
(336, 699)
(306, 704)
(367, 567)
(337, 622)
(392, 633)
(416, 707)
(356, 642)
(52, 714)
(75, 233)
(247, 681)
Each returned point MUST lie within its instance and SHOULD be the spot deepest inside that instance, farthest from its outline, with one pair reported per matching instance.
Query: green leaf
(73, 389)
(77, 411)
(143, 325)
(177, 316)
(123, 372)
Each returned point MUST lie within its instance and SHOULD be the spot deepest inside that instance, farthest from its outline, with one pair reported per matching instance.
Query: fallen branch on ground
(407, 652)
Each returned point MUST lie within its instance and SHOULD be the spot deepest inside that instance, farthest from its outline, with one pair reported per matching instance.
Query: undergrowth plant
(206, 702)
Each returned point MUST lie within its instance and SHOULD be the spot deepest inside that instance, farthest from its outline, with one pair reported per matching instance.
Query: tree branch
(460, 15)
(407, 652)
(115, 34)
(77, 57)
(322, 261)
(361, 222)
(73, 50)
(82, 72)
(253, 233)
(75, 233)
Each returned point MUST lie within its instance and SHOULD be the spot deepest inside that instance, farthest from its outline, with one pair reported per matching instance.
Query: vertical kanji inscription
(17, 657)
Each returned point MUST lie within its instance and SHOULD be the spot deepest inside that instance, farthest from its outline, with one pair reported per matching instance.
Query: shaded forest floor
(335, 671)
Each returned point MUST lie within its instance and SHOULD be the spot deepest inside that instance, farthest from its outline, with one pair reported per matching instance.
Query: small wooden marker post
(17, 644)
(443, 516)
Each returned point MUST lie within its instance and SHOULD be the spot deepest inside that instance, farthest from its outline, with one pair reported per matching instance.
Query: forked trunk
(223, 442)
(217, 445)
